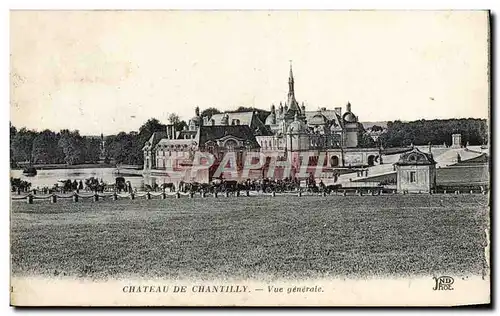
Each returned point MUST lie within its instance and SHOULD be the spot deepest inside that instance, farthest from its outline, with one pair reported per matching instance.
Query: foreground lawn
(296, 237)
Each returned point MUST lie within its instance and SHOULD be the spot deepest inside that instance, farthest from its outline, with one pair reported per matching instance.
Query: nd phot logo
(443, 283)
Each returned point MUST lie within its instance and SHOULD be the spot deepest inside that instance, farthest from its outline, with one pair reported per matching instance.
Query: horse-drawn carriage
(66, 185)
(18, 185)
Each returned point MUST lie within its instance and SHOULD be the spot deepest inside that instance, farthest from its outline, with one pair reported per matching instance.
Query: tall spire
(292, 103)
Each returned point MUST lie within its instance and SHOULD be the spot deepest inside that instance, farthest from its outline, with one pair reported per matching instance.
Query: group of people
(18, 185)
(260, 185)
(96, 185)
(65, 186)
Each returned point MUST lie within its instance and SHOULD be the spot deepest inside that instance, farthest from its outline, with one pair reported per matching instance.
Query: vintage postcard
(249, 158)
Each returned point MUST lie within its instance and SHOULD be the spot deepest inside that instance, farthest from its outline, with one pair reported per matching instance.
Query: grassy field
(296, 237)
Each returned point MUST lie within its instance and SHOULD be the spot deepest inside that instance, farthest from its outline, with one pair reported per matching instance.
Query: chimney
(348, 107)
(169, 131)
(174, 135)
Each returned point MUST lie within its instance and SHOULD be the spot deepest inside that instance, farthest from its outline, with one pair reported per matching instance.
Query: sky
(110, 71)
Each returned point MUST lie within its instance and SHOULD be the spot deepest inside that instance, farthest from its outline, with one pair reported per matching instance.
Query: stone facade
(290, 131)
(456, 140)
(323, 128)
(416, 172)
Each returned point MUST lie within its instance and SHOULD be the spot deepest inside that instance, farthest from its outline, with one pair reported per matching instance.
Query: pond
(47, 178)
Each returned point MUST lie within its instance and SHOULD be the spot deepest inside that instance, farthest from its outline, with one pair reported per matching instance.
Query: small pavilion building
(416, 172)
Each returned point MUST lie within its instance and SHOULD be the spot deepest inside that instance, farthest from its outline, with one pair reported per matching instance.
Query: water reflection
(47, 178)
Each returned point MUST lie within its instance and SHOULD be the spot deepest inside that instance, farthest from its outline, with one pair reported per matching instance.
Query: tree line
(49, 147)
(436, 132)
(69, 147)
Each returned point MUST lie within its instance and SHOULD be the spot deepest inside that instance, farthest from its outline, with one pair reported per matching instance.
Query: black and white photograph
(250, 158)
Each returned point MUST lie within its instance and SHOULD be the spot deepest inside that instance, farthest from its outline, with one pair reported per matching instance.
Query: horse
(18, 185)
(229, 185)
(169, 186)
(120, 184)
(93, 184)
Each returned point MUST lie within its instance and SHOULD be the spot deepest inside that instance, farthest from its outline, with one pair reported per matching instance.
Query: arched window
(230, 144)
(334, 161)
(371, 160)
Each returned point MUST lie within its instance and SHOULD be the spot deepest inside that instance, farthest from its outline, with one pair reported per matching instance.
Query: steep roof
(154, 139)
(415, 157)
(245, 118)
(186, 133)
(175, 142)
(318, 119)
(250, 119)
(207, 133)
(331, 115)
(481, 159)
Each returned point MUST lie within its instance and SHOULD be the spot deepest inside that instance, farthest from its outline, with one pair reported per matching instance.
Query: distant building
(375, 134)
(324, 128)
(168, 153)
(456, 140)
(289, 131)
(416, 172)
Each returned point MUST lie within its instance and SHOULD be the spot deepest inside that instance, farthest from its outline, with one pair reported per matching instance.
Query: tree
(73, 147)
(173, 119)
(13, 132)
(364, 140)
(45, 148)
(179, 124)
(92, 149)
(422, 132)
(376, 128)
(22, 144)
(209, 112)
(152, 125)
(123, 148)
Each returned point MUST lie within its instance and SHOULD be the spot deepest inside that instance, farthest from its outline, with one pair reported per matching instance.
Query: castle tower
(196, 121)
(297, 136)
(351, 128)
(293, 105)
(297, 141)
(271, 119)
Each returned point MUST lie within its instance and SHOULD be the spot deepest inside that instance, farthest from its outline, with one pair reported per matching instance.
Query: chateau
(289, 131)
